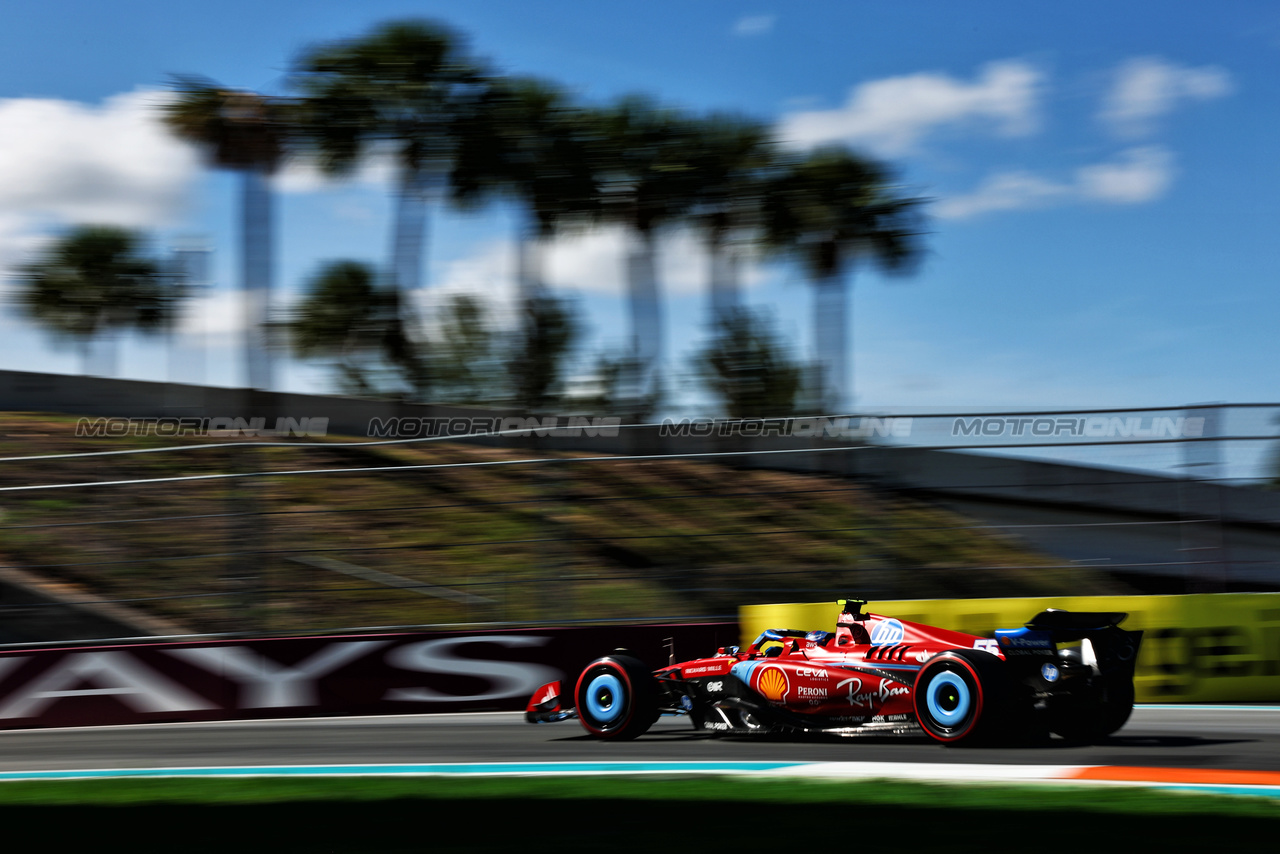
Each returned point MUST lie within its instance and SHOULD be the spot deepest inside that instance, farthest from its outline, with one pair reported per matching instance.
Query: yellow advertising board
(1219, 648)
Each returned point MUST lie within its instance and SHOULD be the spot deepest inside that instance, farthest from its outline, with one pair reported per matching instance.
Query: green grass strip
(773, 790)
(615, 814)
(748, 790)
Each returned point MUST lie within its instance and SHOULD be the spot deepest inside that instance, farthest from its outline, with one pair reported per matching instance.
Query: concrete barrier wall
(111, 398)
(1219, 648)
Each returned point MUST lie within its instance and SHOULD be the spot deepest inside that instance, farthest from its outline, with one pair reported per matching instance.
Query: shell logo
(772, 684)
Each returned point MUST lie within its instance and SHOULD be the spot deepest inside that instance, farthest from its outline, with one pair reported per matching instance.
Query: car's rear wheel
(617, 697)
(1096, 721)
(960, 696)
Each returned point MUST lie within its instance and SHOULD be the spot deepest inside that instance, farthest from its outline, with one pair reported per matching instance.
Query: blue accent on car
(743, 670)
(1024, 638)
(887, 633)
(607, 709)
(937, 684)
(767, 635)
(871, 667)
(1049, 672)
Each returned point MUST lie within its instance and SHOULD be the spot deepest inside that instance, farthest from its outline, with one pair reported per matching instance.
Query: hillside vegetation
(618, 539)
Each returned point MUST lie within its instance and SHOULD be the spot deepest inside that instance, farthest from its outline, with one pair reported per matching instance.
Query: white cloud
(63, 162)
(298, 176)
(1003, 192)
(1136, 176)
(1147, 88)
(75, 162)
(488, 273)
(596, 262)
(219, 313)
(754, 25)
(591, 262)
(892, 115)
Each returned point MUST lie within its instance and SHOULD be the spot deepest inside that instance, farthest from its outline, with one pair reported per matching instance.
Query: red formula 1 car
(1065, 672)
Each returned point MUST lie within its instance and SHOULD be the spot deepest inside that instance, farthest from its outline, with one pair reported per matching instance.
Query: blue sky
(1103, 180)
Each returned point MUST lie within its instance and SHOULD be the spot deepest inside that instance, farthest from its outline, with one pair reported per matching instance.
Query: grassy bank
(617, 539)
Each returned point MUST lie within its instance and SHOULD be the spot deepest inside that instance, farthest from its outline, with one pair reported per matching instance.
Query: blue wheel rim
(605, 698)
(948, 699)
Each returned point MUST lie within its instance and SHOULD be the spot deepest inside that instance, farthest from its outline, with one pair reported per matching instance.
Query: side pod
(545, 706)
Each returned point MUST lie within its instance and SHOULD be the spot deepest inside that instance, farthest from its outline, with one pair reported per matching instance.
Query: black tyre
(1096, 721)
(1116, 708)
(617, 697)
(961, 696)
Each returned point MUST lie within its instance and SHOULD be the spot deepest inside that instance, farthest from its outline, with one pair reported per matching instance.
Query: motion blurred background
(764, 304)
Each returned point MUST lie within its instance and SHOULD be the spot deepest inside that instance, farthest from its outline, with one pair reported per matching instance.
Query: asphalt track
(1207, 738)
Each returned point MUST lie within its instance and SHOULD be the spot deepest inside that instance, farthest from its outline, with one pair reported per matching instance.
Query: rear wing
(1074, 625)
(1104, 646)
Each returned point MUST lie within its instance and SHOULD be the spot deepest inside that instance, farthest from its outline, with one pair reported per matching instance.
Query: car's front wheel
(617, 697)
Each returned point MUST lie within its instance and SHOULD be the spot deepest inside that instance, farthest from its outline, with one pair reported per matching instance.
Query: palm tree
(526, 141)
(750, 369)
(731, 158)
(467, 355)
(536, 362)
(400, 88)
(244, 132)
(348, 319)
(95, 280)
(523, 139)
(647, 181)
(833, 208)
